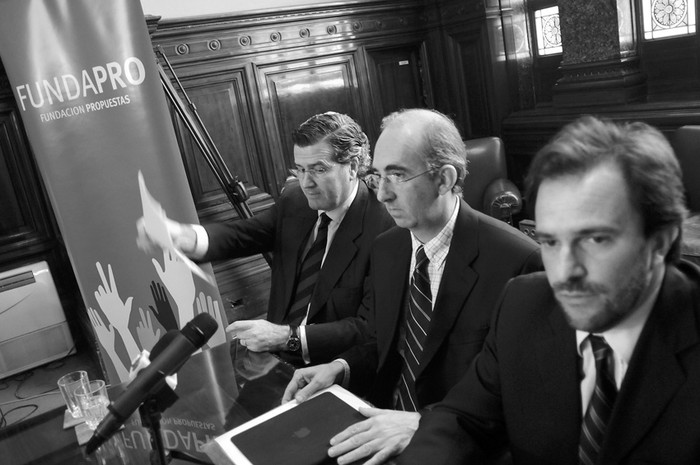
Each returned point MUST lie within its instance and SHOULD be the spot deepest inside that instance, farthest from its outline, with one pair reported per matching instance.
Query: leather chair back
(686, 143)
(486, 162)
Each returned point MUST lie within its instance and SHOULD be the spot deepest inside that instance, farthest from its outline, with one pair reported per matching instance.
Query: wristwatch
(294, 343)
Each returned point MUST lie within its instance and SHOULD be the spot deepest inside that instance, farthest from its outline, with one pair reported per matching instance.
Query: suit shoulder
(527, 283)
(525, 296)
(505, 234)
(292, 193)
(392, 235)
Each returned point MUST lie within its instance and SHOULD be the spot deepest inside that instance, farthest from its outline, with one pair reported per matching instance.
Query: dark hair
(442, 143)
(341, 132)
(642, 153)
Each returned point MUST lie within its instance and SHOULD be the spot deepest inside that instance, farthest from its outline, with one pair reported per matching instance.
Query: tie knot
(599, 345)
(421, 257)
(325, 220)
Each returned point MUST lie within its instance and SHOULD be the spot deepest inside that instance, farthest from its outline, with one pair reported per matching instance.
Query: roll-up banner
(87, 87)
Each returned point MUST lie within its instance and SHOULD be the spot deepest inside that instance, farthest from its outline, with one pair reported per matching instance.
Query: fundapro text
(88, 83)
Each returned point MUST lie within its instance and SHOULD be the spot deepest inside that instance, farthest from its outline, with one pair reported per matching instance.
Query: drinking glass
(67, 384)
(93, 401)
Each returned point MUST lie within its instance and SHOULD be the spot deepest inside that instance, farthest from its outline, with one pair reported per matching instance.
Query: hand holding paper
(155, 228)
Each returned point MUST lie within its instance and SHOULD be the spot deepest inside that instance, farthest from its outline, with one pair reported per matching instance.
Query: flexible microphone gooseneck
(151, 379)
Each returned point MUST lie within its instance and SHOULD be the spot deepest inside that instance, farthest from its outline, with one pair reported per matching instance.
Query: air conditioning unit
(33, 328)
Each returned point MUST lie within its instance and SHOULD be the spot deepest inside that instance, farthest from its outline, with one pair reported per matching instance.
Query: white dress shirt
(622, 339)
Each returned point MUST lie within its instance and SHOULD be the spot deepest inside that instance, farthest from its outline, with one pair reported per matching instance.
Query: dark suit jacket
(524, 386)
(284, 229)
(484, 254)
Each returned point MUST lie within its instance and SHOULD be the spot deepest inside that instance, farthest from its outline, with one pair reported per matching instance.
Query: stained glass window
(668, 18)
(548, 31)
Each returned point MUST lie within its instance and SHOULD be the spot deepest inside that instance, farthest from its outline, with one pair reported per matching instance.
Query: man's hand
(308, 381)
(384, 434)
(182, 235)
(259, 335)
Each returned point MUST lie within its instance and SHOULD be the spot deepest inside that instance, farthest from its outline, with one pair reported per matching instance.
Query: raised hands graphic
(148, 335)
(205, 304)
(177, 278)
(106, 335)
(115, 310)
(162, 310)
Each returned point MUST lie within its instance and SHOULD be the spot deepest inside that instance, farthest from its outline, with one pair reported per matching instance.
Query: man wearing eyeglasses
(320, 231)
(434, 280)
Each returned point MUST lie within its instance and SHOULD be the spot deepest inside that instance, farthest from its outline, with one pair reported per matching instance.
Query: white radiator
(33, 328)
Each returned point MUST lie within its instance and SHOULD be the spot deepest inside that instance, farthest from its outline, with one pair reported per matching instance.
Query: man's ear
(354, 168)
(448, 178)
(662, 241)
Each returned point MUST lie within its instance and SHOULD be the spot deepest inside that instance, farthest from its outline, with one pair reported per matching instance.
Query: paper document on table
(154, 222)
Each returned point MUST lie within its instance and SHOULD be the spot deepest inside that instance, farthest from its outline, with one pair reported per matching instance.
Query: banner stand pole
(232, 186)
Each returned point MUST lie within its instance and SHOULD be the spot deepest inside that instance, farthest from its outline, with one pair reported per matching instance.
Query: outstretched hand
(308, 381)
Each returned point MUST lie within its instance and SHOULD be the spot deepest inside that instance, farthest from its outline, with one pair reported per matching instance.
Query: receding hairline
(414, 123)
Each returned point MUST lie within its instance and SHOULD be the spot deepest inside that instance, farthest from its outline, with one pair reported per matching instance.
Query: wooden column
(600, 63)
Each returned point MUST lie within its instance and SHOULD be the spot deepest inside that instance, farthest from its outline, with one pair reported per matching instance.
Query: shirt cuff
(304, 345)
(345, 382)
(201, 244)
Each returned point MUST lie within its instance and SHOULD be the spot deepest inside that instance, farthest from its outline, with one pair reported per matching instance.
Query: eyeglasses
(317, 172)
(373, 180)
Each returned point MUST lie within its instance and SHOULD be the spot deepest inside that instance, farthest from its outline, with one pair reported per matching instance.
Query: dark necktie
(308, 274)
(420, 309)
(601, 404)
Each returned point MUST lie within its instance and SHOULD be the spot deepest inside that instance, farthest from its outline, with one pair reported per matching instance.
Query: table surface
(218, 389)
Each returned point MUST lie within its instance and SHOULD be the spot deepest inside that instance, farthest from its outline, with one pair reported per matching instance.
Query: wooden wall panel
(397, 74)
(25, 224)
(295, 91)
(222, 103)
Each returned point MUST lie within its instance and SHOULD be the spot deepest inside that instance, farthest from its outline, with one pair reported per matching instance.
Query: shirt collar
(623, 337)
(441, 241)
(337, 214)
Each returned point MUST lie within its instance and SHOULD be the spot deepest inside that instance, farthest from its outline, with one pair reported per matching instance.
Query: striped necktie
(308, 274)
(420, 309)
(601, 404)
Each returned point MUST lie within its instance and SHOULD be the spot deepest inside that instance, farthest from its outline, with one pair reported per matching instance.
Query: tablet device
(300, 436)
(291, 434)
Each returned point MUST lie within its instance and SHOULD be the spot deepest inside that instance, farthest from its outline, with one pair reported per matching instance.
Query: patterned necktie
(308, 274)
(601, 404)
(420, 309)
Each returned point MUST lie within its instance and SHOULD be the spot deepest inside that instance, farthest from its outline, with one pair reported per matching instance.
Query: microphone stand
(151, 413)
(232, 186)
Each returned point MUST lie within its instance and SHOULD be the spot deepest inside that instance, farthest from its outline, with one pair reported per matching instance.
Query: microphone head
(200, 329)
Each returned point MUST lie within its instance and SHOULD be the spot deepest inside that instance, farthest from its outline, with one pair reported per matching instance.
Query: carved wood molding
(196, 39)
(460, 11)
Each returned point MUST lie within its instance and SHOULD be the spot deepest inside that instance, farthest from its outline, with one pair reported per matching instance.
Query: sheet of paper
(155, 224)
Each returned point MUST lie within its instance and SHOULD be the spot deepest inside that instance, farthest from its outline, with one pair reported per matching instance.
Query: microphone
(151, 379)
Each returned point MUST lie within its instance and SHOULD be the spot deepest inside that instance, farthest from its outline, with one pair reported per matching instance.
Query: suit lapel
(654, 374)
(559, 393)
(342, 250)
(393, 268)
(458, 278)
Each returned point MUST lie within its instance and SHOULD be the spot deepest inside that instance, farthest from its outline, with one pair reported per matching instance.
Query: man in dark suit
(597, 360)
(315, 323)
(421, 160)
